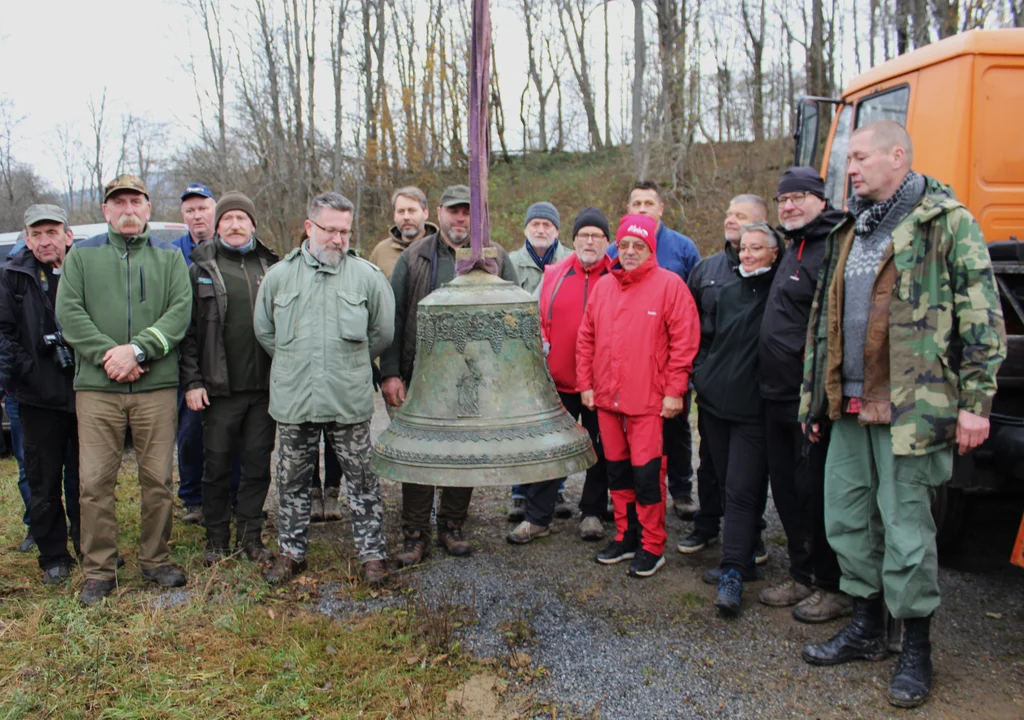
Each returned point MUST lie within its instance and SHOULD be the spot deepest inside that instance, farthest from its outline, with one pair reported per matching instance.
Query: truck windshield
(835, 174)
(886, 105)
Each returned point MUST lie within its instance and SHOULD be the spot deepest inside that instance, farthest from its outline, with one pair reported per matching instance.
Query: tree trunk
(639, 66)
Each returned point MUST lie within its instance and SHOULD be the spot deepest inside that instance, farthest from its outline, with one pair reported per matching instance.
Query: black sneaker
(714, 576)
(166, 576)
(645, 564)
(695, 542)
(57, 575)
(95, 590)
(616, 552)
(27, 544)
(760, 552)
(730, 593)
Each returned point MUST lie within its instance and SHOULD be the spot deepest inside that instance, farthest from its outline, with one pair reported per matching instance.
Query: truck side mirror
(805, 134)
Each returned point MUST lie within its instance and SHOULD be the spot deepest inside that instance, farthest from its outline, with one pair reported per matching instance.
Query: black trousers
(541, 497)
(739, 455)
(332, 468)
(238, 425)
(50, 440)
(797, 471)
(679, 451)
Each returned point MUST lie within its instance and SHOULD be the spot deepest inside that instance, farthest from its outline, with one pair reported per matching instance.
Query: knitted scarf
(870, 215)
(549, 254)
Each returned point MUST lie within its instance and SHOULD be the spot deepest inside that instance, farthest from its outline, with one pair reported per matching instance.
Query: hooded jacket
(564, 293)
(784, 326)
(935, 335)
(706, 280)
(386, 253)
(637, 341)
(26, 315)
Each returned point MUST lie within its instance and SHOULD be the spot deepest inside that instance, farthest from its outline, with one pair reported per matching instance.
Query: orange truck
(962, 101)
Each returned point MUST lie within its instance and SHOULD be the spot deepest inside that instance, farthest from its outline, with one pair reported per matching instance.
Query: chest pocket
(285, 317)
(206, 299)
(353, 316)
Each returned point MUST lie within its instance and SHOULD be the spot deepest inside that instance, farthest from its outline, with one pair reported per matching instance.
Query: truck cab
(962, 101)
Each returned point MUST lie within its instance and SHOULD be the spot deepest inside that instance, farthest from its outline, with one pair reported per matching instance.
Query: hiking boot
(166, 576)
(332, 504)
(256, 551)
(283, 570)
(375, 572)
(684, 507)
(27, 544)
(713, 576)
(730, 593)
(193, 515)
(912, 679)
(526, 531)
(788, 593)
(760, 552)
(645, 564)
(452, 540)
(862, 639)
(95, 590)
(516, 510)
(316, 505)
(415, 548)
(57, 575)
(695, 542)
(617, 551)
(215, 554)
(562, 508)
(591, 529)
(823, 606)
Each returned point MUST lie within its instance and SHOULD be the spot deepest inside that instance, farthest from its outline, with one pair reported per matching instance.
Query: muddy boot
(450, 538)
(862, 639)
(415, 548)
(284, 569)
(332, 504)
(376, 572)
(255, 550)
(316, 505)
(912, 680)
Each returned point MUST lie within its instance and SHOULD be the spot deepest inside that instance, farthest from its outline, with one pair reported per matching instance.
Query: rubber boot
(912, 680)
(862, 639)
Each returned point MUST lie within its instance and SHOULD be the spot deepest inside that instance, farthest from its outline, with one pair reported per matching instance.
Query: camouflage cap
(455, 195)
(127, 182)
(45, 213)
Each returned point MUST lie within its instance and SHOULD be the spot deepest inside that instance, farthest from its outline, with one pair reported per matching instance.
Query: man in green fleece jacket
(124, 304)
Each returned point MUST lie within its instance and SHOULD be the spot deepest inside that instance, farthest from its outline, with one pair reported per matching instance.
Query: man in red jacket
(564, 291)
(634, 354)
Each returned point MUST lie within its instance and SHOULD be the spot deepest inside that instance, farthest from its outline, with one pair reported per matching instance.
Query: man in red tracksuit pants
(634, 354)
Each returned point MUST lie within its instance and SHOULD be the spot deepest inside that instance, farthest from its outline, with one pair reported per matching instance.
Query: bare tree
(755, 31)
(639, 67)
(1016, 12)
(209, 13)
(8, 124)
(339, 23)
(67, 153)
(535, 64)
(98, 130)
(572, 18)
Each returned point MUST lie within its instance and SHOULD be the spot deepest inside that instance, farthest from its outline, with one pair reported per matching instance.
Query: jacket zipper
(142, 282)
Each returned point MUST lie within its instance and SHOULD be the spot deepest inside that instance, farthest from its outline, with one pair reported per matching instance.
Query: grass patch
(226, 646)
(690, 599)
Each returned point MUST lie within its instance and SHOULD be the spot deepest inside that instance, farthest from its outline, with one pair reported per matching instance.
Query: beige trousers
(102, 419)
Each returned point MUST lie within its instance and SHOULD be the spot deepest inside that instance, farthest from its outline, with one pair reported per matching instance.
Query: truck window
(886, 105)
(835, 174)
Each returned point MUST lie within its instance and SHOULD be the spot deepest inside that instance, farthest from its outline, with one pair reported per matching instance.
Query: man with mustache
(322, 314)
(125, 331)
(226, 375)
(197, 210)
(426, 265)
(410, 214)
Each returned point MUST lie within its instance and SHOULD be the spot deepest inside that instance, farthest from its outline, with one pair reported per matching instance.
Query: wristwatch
(140, 354)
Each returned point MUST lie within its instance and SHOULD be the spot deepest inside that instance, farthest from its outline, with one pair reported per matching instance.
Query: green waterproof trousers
(878, 517)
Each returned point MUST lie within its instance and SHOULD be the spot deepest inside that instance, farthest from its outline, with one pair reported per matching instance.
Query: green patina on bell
(482, 408)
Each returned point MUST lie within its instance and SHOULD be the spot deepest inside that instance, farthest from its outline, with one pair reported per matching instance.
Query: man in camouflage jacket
(904, 341)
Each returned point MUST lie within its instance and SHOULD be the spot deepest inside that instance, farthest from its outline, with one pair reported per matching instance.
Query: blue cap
(197, 189)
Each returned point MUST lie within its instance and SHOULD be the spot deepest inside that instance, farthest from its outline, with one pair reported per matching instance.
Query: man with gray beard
(321, 314)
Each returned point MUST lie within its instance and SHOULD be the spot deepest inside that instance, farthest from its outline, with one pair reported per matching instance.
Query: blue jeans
(520, 491)
(190, 453)
(11, 405)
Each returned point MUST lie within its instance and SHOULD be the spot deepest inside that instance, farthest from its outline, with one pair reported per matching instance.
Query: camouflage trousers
(298, 449)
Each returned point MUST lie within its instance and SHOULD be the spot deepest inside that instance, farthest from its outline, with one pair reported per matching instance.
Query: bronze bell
(482, 408)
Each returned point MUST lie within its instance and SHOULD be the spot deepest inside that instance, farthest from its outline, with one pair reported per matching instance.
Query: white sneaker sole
(617, 559)
(648, 573)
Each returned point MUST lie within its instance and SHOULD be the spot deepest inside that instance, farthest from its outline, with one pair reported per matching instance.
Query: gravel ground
(615, 647)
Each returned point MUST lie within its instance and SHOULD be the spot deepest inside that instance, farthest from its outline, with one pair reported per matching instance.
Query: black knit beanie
(591, 217)
(802, 179)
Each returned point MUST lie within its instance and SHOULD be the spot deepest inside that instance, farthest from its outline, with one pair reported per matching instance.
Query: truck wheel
(950, 509)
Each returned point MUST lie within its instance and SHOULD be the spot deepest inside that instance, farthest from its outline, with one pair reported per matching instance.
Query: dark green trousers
(418, 500)
(239, 425)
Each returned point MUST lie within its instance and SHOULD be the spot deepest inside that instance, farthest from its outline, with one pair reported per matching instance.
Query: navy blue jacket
(186, 244)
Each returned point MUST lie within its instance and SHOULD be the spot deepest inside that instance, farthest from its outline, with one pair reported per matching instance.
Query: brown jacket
(386, 253)
(876, 408)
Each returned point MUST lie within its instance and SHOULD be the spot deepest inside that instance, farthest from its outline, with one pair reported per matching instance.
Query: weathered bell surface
(482, 408)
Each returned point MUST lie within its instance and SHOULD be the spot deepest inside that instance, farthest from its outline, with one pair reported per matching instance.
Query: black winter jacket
(705, 281)
(784, 327)
(726, 383)
(26, 314)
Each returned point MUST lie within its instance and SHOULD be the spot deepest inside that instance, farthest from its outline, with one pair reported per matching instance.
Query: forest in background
(360, 96)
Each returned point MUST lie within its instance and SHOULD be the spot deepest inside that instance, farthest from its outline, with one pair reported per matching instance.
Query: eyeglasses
(755, 248)
(592, 237)
(331, 232)
(797, 198)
